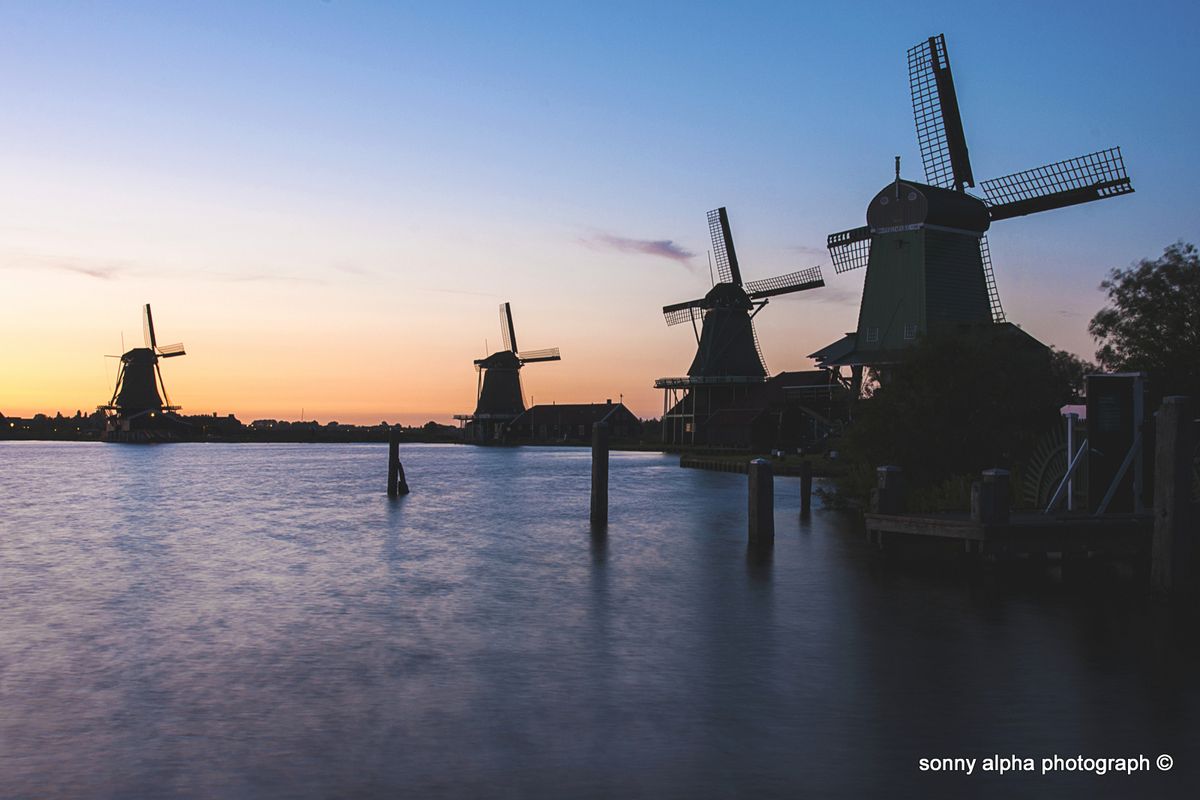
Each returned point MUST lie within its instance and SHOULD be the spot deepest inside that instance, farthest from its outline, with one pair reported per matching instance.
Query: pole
(1072, 418)
(761, 486)
(805, 487)
(397, 484)
(600, 473)
(1171, 551)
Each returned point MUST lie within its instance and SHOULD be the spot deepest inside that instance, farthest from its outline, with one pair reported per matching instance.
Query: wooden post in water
(805, 487)
(762, 502)
(888, 496)
(600, 473)
(1174, 525)
(990, 497)
(397, 485)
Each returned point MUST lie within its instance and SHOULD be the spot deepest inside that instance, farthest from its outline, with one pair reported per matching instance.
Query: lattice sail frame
(505, 330)
(1076, 180)
(785, 284)
(545, 354)
(717, 232)
(850, 249)
(935, 111)
(682, 315)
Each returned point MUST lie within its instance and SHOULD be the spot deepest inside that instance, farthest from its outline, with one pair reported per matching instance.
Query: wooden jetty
(1023, 534)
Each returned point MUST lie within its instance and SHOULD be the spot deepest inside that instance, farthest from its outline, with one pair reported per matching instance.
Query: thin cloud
(662, 248)
(101, 270)
(808, 250)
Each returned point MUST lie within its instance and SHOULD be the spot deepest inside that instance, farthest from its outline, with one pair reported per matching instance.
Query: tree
(953, 406)
(1153, 321)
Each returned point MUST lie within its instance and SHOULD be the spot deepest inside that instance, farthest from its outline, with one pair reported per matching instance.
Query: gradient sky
(326, 201)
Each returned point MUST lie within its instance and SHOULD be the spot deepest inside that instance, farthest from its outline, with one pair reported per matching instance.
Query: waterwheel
(1044, 471)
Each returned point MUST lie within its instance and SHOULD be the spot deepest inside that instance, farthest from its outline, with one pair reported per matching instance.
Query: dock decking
(1023, 534)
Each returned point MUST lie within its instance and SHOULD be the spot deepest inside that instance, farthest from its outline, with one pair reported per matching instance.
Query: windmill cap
(916, 205)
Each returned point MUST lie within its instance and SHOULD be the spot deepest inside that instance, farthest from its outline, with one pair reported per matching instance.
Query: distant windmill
(728, 371)
(499, 397)
(136, 401)
(727, 344)
(925, 245)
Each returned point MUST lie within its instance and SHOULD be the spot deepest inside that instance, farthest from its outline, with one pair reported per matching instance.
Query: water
(261, 621)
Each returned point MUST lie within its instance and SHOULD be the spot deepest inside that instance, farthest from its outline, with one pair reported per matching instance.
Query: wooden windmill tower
(728, 358)
(925, 246)
(499, 398)
(137, 412)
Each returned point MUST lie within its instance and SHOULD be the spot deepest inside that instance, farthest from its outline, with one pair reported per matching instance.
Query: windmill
(925, 245)
(727, 348)
(727, 344)
(136, 403)
(499, 398)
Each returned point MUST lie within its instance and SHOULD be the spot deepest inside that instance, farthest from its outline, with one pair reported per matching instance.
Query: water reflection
(261, 621)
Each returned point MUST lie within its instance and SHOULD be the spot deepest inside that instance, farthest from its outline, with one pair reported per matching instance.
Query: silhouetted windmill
(728, 354)
(136, 404)
(499, 397)
(925, 245)
(727, 344)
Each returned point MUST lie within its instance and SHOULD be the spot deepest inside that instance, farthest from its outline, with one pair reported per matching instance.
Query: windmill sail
(723, 252)
(1094, 176)
(546, 354)
(800, 281)
(682, 312)
(849, 249)
(935, 111)
(507, 332)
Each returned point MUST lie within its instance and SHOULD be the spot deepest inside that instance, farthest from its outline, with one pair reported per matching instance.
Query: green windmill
(924, 246)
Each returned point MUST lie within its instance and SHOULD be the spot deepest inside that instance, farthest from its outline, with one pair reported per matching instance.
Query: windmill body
(925, 244)
(137, 412)
(500, 398)
(925, 270)
(728, 371)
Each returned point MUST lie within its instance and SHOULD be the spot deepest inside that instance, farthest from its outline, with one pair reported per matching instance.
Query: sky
(327, 201)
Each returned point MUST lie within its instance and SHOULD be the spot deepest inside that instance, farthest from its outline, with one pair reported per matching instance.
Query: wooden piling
(1174, 526)
(397, 484)
(761, 486)
(888, 496)
(990, 497)
(600, 473)
(805, 487)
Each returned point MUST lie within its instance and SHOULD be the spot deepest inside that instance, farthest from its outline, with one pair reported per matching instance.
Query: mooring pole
(397, 485)
(762, 502)
(990, 502)
(805, 487)
(1174, 526)
(1071, 418)
(600, 473)
(888, 495)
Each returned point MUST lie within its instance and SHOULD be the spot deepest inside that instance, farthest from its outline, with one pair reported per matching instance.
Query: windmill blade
(533, 356)
(723, 252)
(989, 277)
(148, 327)
(171, 350)
(800, 281)
(1094, 176)
(935, 110)
(849, 249)
(758, 347)
(506, 328)
(681, 312)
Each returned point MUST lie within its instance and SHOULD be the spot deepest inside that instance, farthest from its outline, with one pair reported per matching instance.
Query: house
(572, 422)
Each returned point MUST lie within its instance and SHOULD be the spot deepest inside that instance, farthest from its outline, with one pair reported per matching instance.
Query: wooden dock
(1023, 534)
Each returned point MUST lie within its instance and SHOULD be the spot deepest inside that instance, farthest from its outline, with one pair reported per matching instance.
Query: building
(572, 422)
(789, 410)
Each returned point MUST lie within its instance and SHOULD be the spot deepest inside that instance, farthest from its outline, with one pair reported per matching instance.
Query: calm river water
(261, 621)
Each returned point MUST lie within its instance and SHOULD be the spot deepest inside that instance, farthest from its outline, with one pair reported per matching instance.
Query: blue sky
(357, 185)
